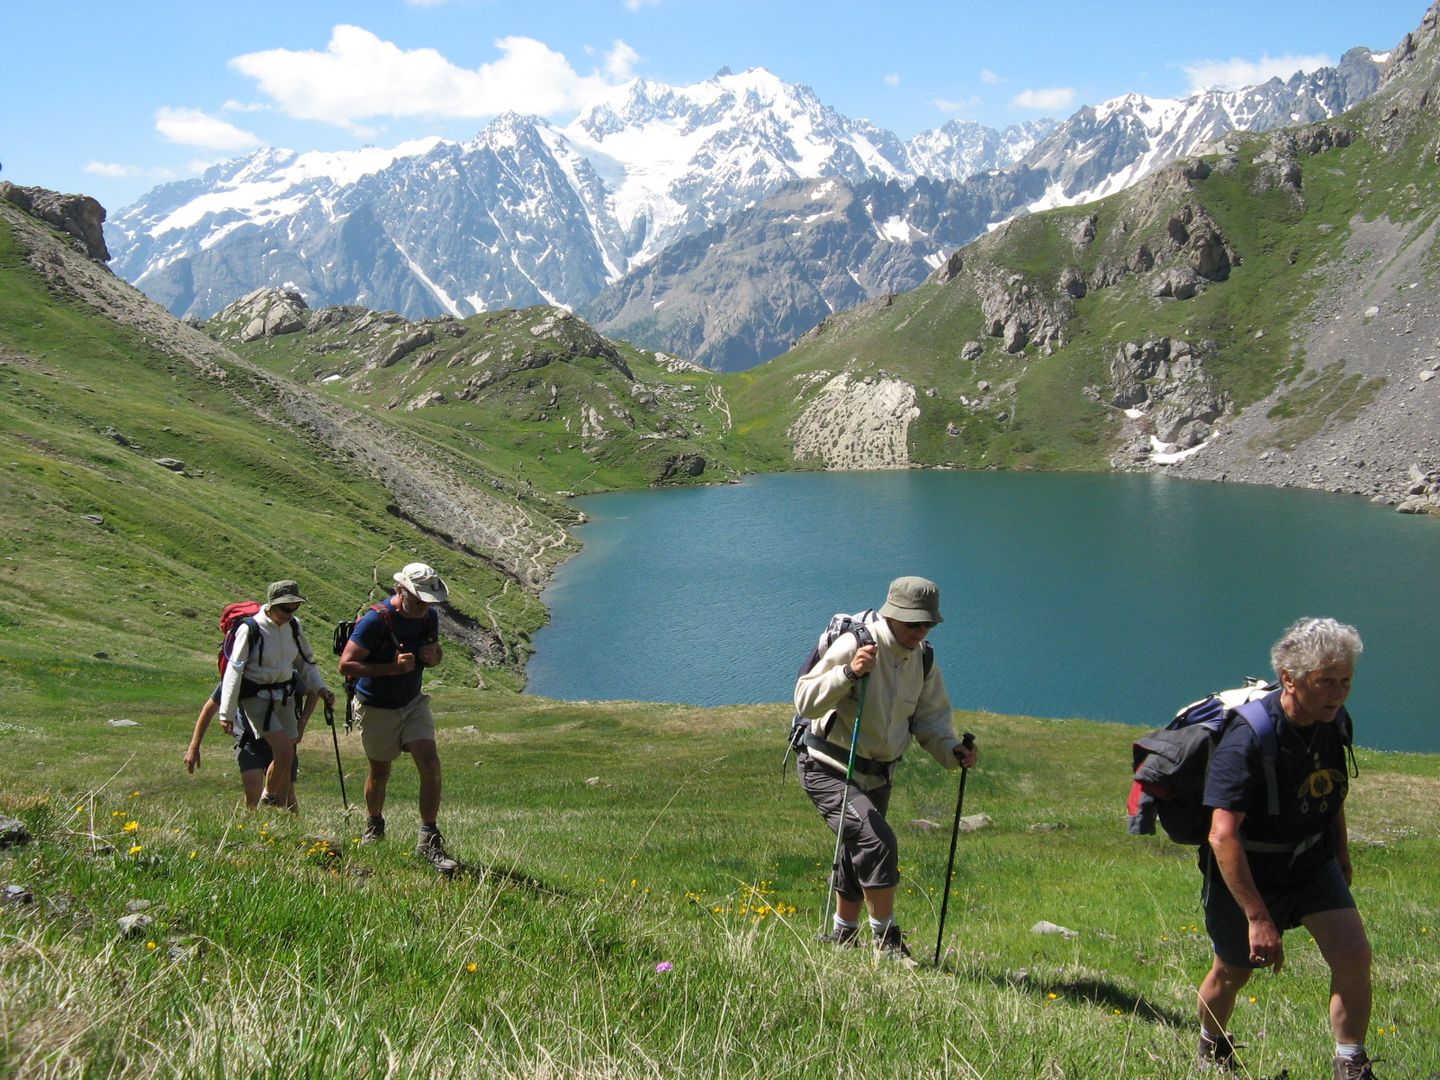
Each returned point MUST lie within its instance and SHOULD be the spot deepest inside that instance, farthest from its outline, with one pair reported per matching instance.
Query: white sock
(1350, 1050)
(879, 926)
(845, 924)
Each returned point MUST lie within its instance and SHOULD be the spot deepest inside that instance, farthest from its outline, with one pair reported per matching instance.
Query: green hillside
(1261, 229)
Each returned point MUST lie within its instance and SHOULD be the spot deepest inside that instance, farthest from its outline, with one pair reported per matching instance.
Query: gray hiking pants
(869, 853)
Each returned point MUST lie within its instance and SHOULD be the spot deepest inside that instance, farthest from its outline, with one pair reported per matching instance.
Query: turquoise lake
(1106, 597)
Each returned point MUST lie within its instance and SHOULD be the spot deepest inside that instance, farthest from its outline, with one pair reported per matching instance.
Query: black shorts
(1320, 889)
(254, 753)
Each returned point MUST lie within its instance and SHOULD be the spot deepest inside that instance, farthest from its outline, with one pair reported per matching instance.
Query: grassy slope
(512, 431)
(143, 587)
(660, 835)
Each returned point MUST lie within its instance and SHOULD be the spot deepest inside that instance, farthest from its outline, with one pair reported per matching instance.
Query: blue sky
(113, 97)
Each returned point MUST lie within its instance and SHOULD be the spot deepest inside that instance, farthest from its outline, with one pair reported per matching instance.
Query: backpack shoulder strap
(299, 648)
(254, 641)
(1257, 716)
(927, 657)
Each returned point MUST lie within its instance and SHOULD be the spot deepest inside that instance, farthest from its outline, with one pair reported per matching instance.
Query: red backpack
(231, 616)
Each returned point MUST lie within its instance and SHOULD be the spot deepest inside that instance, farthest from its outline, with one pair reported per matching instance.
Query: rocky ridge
(541, 369)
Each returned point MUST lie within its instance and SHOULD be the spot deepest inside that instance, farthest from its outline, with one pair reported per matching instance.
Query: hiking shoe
(841, 936)
(891, 946)
(374, 831)
(267, 799)
(1216, 1054)
(431, 847)
(1352, 1068)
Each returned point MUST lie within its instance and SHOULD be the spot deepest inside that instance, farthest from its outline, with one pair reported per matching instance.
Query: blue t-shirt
(1311, 778)
(372, 634)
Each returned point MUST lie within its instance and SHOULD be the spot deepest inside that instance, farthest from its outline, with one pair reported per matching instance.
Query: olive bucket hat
(912, 599)
(283, 592)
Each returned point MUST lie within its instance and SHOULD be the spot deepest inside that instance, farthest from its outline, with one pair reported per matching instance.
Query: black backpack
(345, 627)
(839, 625)
(1170, 764)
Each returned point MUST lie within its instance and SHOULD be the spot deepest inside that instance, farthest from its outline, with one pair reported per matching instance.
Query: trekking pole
(330, 719)
(844, 801)
(968, 741)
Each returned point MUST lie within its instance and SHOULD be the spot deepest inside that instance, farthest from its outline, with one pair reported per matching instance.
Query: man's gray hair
(1315, 643)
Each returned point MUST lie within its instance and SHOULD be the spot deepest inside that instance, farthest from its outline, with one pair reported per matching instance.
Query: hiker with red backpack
(873, 690)
(1267, 872)
(385, 659)
(268, 664)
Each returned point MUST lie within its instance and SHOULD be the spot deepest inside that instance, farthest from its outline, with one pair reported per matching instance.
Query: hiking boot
(891, 946)
(431, 848)
(841, 936)
(1216, 1054)
(266, 799)
(1352, 1068)
(374, 831)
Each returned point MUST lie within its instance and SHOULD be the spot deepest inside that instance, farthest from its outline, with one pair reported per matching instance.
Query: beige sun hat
(424, 581)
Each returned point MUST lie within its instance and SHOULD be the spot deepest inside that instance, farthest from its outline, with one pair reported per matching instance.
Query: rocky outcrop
(857, 424)
(1020, 314)
(267, 313)
(1171, 403)
(78, 216)
(681, 465)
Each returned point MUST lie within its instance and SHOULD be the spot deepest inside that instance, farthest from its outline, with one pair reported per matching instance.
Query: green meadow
(641, 897)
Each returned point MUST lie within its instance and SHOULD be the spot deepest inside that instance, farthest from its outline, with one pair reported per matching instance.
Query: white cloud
(111, 169)
(359, 76)
(989, 78)
(946, 105)
(192, 127)
(893, 79)
(1054, 99)
(1237, 73)
(636, 5)
(620, 62)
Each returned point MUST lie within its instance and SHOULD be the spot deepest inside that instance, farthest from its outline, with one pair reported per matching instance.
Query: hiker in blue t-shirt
(1266, 874)
(386, 656)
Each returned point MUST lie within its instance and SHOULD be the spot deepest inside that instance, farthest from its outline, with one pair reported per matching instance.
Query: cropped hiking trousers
(869, 852)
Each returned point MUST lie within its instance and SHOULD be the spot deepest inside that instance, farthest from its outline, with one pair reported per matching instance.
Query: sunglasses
(917, 625)
(289, 609)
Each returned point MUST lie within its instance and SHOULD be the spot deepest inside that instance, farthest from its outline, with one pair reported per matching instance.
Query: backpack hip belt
(869, 766)
(1295, 850)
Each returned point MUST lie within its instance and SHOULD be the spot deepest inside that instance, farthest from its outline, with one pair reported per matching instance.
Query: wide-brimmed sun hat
(912, 599)
(424, 581)
(283, 592)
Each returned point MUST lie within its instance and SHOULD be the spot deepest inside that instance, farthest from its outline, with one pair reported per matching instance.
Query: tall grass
(641, 899)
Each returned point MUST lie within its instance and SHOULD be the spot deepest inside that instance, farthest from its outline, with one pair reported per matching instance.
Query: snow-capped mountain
(963, 148)
(756, 304)
(1106, 148)
(529, 212)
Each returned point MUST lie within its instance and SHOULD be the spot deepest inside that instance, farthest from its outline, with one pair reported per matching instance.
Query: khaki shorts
(265, 719)
(386, 733)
